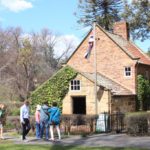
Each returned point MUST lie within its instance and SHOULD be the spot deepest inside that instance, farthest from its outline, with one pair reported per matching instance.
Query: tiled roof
(138, 53)
(129, 47)
(116, 89)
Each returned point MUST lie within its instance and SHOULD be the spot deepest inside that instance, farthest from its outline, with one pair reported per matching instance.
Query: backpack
(44, 116)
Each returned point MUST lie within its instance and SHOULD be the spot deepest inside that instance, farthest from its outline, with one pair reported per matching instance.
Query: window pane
(75, 85)
(75, 82)
(127, 71)
(71, 87)
(71, 82)
(78, 87)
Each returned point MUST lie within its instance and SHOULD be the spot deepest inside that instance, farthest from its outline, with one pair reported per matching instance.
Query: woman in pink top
(37, 120)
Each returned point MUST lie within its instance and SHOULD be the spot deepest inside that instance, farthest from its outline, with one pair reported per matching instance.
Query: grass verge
(5, 145)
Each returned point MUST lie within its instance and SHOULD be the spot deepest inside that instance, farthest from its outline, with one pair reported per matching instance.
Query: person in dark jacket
(25, 119)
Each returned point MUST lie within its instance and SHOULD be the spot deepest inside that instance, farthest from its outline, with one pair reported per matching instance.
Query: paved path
(97, 140)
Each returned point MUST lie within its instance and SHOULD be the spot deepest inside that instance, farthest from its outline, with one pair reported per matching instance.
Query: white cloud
(16, 5)
(63, 43)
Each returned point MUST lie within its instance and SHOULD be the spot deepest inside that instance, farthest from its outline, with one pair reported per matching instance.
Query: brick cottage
(119, 61)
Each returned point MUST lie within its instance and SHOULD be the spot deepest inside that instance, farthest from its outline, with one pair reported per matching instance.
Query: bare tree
(27, 60)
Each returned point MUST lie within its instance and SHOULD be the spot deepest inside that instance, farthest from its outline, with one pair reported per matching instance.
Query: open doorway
(79, 105)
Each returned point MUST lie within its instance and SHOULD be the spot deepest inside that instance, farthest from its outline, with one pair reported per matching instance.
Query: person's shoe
(53, 140)
(25, 140)
(2, 138)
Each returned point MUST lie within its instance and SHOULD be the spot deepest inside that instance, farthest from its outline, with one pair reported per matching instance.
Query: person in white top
(24, 119)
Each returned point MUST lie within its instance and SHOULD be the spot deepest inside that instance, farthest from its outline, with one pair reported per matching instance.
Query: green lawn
(10, 146)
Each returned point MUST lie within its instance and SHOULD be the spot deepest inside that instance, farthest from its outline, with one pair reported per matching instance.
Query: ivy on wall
(55, 88)
(143, 93)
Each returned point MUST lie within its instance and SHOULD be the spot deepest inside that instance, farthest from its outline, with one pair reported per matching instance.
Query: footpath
(97, 140)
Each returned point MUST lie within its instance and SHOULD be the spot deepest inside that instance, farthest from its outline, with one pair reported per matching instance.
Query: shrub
(81, 123)
(137, 124)
(13, 109)
(15, 112)
(13, 122)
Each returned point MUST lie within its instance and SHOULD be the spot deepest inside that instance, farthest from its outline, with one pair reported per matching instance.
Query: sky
(56, 15)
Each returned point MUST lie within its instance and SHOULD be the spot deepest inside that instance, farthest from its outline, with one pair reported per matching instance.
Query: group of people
(46, 118)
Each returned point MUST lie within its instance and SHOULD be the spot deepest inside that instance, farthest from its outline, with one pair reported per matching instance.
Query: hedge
(137, 123)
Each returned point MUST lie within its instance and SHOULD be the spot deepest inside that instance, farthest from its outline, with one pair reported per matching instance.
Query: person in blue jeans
(37, 121)
(54, 120)
(44, 117)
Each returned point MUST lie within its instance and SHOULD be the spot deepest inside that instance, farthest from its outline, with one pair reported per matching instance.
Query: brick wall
(111, 60)
(144, 70)
(123, 104)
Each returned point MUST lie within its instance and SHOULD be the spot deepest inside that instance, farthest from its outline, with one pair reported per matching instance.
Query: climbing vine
(55, 88)
(143, 93)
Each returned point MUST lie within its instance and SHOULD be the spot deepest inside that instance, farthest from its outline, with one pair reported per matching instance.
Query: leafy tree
(104, 12)
(143, 93)
(148, 52)
(25, 60)
(137, 14)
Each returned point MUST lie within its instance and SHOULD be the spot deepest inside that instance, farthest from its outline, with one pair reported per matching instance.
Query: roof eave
(130, 94)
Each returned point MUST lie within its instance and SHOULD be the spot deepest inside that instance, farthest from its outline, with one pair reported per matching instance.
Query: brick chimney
(121, 28)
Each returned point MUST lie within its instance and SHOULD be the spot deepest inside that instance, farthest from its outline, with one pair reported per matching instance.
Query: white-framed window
(127, 71)
(75, 85)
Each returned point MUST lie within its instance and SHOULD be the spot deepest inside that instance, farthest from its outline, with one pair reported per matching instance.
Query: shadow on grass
(80, 144)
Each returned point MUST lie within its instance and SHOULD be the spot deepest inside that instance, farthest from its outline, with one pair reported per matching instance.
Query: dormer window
(127, 71)
(75, 85)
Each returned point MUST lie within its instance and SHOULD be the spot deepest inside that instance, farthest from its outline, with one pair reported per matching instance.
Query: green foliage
(55, 88)
(106, 12)
(25, 52)
(143, 93)
(137, 14)
(103, 11)
(148, 52)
